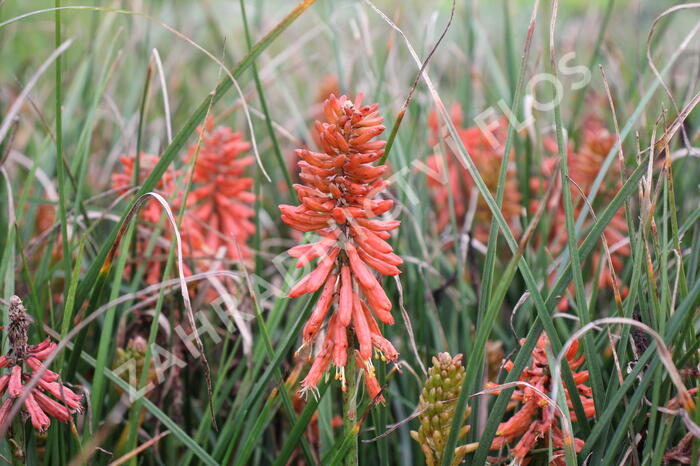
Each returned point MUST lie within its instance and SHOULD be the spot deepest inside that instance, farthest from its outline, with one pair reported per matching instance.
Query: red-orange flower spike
(152, 211)
(486, 146)
(584, 165)
(337, 202)
(532, 422)
(219, 207)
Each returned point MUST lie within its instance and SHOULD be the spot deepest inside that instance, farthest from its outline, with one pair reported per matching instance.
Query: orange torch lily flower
(218, 210)
(151, 212)
(337, 202)
(219, 207)
(533, 421)
(486, 146)
(584, 165)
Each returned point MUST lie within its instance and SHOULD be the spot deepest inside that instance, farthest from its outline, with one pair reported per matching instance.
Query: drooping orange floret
(219, 207)
(338, 203)
(486, 148)
(328, 86)
(584, 165)
(533, 421)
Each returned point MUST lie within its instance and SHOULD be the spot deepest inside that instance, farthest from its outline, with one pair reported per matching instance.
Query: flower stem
(350, 411)
(17, 441)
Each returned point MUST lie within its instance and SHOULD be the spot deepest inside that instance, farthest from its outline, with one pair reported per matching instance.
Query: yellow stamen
(370, 368)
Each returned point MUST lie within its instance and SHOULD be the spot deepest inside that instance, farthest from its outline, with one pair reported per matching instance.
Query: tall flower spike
(50, 398)
(486, 146)
(437, 410)
(584, 165)
(338, 203)
(532, 422)
(121, 182)
(151, 212)
(218, 210)
(219, 207)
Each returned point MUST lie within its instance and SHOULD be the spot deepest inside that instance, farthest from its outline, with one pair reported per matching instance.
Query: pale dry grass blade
(663, 352)
(409, 327)
(164, 90)
(144, 446)
(17, 104)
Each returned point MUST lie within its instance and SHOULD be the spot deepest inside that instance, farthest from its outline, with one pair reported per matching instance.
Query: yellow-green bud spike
(437, 408)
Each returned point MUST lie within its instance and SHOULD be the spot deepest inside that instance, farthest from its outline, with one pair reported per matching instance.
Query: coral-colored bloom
(121, 182)
(337, 203)
(486, 148)
(533, 421)
(151, 212)
(584, 165)
(50, 398)
(219, 207)
(328, 86)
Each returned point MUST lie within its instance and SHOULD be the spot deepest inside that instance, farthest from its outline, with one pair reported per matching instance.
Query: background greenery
(453, 305)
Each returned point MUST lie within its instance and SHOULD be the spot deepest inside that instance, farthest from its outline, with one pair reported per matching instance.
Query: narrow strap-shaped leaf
(299, 427)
